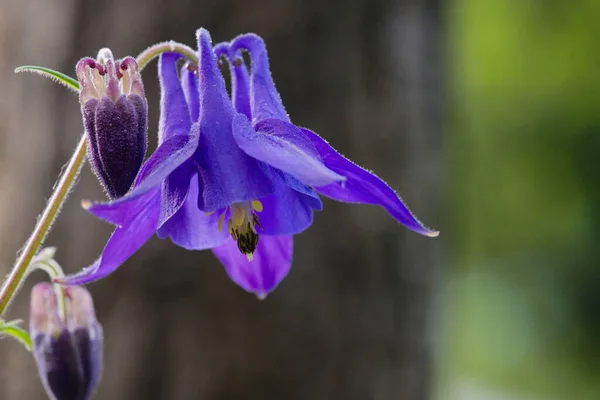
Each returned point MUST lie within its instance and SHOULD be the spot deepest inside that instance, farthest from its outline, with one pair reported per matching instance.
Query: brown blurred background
(353, 320)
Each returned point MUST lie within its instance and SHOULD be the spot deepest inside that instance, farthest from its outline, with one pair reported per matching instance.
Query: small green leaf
(11, 328)
(52, 74)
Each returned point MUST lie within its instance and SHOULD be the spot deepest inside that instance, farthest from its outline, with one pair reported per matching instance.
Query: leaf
(52, 74)
(11, 328)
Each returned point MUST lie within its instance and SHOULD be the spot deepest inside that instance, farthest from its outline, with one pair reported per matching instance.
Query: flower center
(242, 225)
(107, 77)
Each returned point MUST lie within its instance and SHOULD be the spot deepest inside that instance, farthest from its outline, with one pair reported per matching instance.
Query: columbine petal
(191, 228)
(290, 210)
(240, 79)
(174, 113)
(228, 175)
(124, 241)
(283, 146)
(189, 83)
(271, 263)
(221, 49)
(311, 197)
(175, 191)
(240, 88)
(363, 187)
(168, 157)
(121, 213)
(265, 100)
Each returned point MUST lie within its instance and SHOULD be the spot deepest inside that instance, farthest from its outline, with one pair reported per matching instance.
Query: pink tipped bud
(67, 348)
(115, 116)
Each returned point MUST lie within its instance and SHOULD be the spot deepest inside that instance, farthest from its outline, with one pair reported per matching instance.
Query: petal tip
(261, 295)
(85, 276)
(432, 233)
(221, 49)
(247, 41)
(203, 35)
(64, 281)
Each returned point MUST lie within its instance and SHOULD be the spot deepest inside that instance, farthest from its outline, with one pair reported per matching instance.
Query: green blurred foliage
(522, 306)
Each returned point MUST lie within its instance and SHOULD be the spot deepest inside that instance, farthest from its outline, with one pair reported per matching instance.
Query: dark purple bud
(67, 348)
(115, 117)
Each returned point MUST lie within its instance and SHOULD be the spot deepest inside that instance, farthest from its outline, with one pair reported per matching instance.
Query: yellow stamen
(221, 219)
(257, 205)
(241, 226)
(230, 229)
(239, 214)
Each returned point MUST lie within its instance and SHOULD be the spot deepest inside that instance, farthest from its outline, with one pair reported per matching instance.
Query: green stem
(13, 281)
(53, 269)
(165, 47)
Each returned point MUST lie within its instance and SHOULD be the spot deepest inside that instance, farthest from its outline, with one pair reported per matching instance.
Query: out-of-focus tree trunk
(352, 320)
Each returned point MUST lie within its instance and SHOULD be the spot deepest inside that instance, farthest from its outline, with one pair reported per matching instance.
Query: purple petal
(228, 175)
(240, 86)
(121, 213)
(189, 83)
(221, 49)
(212, 93)
(175, 191)
(363, 187)
(265, 100)
(271, 263)
(165, 160)
(290, 210)
(174, 113)
(191, 228)
(124, 241)
(311, 197)
(283, 146)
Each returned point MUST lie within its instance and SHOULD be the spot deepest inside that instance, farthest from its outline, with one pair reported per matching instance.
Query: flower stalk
(66, 182)
(166, 47)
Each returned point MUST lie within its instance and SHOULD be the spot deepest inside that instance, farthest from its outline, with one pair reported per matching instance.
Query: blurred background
(481, 113)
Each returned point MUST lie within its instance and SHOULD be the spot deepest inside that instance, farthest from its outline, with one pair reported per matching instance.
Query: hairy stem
(165, 47)
(63, 187)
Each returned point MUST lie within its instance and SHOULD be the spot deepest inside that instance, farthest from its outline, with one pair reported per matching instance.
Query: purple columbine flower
(224, 183)
(67, 348)
(114, 109)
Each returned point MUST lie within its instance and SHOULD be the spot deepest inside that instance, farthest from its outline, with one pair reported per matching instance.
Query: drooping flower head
(67, 347)
(114, 109)
(234, 176)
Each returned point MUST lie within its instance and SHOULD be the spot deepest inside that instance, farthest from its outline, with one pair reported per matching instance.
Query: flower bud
(67, 348)
(115, 117)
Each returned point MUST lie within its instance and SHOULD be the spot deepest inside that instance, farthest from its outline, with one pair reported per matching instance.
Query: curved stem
(155, 50)
(13, 281)
(53, 269)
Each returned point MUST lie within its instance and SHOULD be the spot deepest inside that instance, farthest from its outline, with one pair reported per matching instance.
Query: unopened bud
(115, 116)
(67, 347)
